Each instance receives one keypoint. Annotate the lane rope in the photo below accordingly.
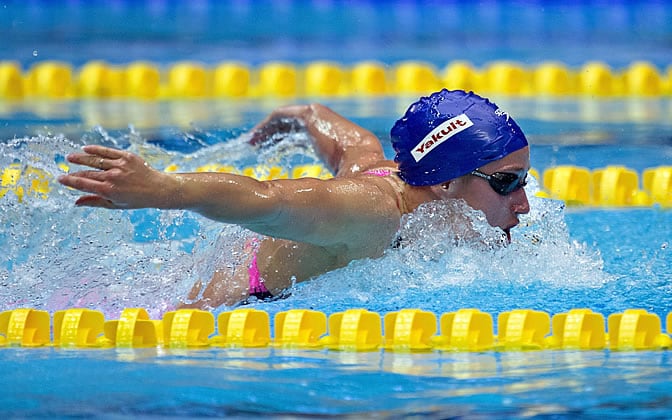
(407, 330)
(231, 79)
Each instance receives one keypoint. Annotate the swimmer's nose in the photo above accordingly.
(520, 204)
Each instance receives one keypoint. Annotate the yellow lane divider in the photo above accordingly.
(407, 330)
(230, 79)
(611, 186)
(26, 182)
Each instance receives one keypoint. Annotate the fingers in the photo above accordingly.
(94, 201)
(93, 182)
(104, 152)
(98, 157)
(93, 161)
(86, 159)
(87, 181)
(123, 179)
(94, 175)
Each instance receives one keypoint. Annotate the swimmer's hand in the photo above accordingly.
(121, 180)
(278, 125)
(275, 131)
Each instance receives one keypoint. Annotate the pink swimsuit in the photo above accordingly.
(379, 172)
(257, 288)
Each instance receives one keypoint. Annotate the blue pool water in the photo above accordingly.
(55, 256)
(250, 383)
(608, 260)
(303, 30)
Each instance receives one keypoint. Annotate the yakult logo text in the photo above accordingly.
(440, 134)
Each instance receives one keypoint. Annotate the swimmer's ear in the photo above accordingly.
(442, 189)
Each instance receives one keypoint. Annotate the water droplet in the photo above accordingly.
(34, 53)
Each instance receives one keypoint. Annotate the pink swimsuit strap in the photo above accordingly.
(379, 172)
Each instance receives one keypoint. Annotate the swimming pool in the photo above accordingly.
(607, 259)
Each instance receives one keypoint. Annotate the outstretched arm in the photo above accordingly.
(345, 146)
(348, 212)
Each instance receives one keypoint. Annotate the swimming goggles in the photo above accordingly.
(504, 183)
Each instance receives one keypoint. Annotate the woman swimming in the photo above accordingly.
(449, 145)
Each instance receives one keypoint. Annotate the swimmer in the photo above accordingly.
(449, 145)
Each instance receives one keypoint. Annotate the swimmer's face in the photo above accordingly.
(501, 210)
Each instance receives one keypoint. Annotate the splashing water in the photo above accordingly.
(451, 258)
(57, 256)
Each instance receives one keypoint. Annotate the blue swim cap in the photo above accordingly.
(449, 134)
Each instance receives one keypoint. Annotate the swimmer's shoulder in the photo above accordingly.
(386, 173)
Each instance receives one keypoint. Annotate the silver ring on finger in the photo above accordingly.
(101, 163)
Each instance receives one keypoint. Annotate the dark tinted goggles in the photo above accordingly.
(504, 183)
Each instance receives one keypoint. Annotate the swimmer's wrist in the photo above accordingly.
(173, 191)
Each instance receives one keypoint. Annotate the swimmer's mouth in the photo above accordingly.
(507, 232)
